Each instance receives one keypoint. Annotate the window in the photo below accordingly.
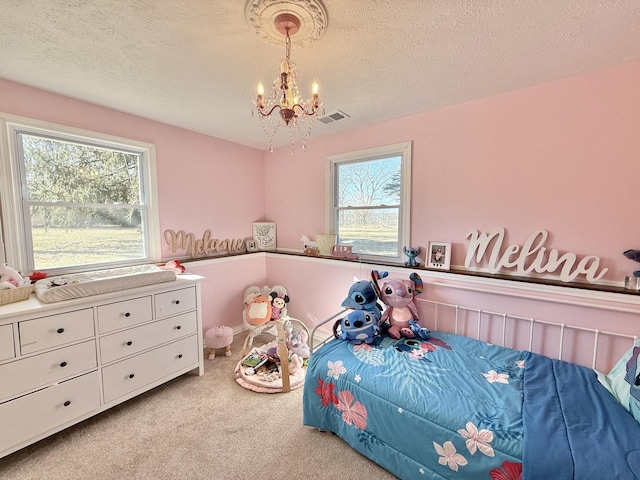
(369, 201)
(75, 200)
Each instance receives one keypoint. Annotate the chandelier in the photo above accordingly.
(284, 101)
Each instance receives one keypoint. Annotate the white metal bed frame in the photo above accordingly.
(483, 316)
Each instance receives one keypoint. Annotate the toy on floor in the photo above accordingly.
(295, 364)
(219, 337)
(297, 344)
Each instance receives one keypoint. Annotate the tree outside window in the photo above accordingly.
(78, 203)
(370, 201)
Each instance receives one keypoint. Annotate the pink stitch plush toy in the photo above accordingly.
(401, 314)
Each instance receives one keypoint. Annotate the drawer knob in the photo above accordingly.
(177, 302)
(67, 403)
(128, 314)
(178, 327)
(129, 343)
(179, 355)
(131, 375)
(60, 330)
(63, 364)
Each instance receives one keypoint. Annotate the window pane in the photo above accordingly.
(369, 183)
(370, 231)
(59, 171)
(64, 236)
(369, 201)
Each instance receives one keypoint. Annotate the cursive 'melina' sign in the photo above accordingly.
(533, 256)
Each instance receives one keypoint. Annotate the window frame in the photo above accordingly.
(402, 150)
(14, 246)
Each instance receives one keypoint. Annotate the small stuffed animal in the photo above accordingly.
(10, 278)
(633, 255)
(258, 310)
(297, 344)
(362, 296)
(295, 364)
(401, 313)
(174, 265)
(412, 253)
(278, 303)
(357, 326)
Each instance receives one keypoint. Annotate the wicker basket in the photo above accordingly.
(12, 295)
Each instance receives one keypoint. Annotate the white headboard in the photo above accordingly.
(591, 347)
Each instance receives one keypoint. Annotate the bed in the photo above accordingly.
(457, 407)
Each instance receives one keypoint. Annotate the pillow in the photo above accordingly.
(621, 380)
(258, 310)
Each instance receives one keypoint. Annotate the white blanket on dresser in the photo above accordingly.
(66, 287)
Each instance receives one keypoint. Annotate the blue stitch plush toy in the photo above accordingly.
(358, 326)
(362, 296)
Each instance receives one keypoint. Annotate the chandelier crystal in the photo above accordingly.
(284, 101)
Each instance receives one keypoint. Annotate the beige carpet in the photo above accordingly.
(195, 428)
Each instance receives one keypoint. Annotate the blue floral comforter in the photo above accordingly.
(449, 407)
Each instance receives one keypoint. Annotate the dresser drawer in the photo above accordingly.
(133, 373)
(41, 411)
(124, 314)
(46, 332)
(7, 349)
(134, 340)
(174, 302)
(40, 370)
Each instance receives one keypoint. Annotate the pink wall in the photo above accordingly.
(202, 184)
(317, 288)
(223, 289)
(562, 157)
(191, 167)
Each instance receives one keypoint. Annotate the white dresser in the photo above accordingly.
(63, 362)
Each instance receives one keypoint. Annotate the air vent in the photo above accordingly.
(333, 117)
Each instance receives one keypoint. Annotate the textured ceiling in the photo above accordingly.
(195, 63)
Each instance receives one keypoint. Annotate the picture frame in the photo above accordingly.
(439, 255)
(264, 233)
(251, 245)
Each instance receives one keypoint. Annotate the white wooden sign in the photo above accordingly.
(201, 246)
(532, 256)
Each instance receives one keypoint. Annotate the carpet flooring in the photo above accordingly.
(194, 427)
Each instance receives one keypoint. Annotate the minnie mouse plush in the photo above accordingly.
(278, 303)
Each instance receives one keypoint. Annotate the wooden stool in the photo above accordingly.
(219, 337)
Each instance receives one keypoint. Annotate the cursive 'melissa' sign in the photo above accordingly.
(201, 246)
(532, 256)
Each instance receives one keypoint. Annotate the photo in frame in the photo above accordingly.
(264, 233)
(439, 255)
(251, 245)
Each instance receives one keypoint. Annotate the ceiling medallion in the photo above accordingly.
(261, 16)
